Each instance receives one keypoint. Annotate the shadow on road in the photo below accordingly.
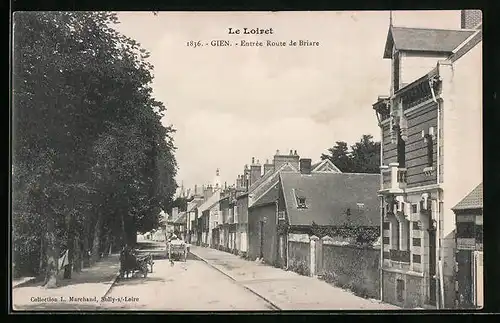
(102, 272)
(138, 280)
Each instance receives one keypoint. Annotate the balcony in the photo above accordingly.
(393, 178)
(400, 255)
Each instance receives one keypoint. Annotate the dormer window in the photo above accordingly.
(301, 202)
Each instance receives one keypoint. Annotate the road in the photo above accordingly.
(186, 286)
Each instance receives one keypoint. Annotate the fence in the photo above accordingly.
(345, 265)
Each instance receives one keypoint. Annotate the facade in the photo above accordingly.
(469, 253)
(431, 154)
(208, 217)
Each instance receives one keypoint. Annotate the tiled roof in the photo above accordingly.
(474, 200)
(194, 204)
(269, 181)
(421, 39)
(209, 203)
(329, 196)
(271, 196)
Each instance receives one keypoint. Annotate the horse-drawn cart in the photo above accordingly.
(131, 262)
(177, 250)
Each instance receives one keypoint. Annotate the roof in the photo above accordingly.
(329, 196)
(325, 166)
(214, 199)
(194, 204)
(424, 39)
(270, 196)
(269, 181)
(474, 200)
(181, 219)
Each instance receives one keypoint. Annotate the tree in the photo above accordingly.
(362, 157)
(339, 155)
(365, 155)
(91, 158)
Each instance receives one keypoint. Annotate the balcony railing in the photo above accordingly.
(393, 178)
(400, 255)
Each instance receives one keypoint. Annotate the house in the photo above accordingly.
(469, 242)
(267, 200)
(431, 155)
(180, 225)
(255, 181)
(192, 214)
(208, 216)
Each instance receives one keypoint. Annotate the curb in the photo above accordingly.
(276, 307)
(23, 283)
(113, 282)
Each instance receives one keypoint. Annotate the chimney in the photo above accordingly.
(208, 192)
(280, 160)
(255, 171)
(268, 167)
(305, 166)
(195, 189)
(246, 177)
(470, 19)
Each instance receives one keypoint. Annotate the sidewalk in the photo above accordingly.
(83, 291)
(285, 289)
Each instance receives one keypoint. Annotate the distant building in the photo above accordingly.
(469, 242)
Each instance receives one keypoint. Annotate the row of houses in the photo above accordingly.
(417, 225)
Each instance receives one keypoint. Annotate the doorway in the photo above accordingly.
(261, 253)
(432, 267)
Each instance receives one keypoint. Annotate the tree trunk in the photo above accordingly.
(70, 245)
(42, 264)
(124, 232)
(51, 268)
(77, 259)
(86, 245)
(97, 239)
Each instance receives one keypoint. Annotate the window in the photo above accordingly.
(479, 233)
(395, 235)
(430, 151)
(465, 229)
(301, 202)
(416, 242)
(416, 259)
(387, 255)
(386, 226)
(414, 208)
(400, 289)
(416, 226)
(401, 150)
(385, 240)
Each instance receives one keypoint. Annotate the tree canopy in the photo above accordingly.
(362, 157)
(92, 161)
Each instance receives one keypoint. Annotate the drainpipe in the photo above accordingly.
(438, 200)
(381, 215)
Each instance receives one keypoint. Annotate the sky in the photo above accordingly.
(229, 104)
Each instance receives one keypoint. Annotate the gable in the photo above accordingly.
(326, 166)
